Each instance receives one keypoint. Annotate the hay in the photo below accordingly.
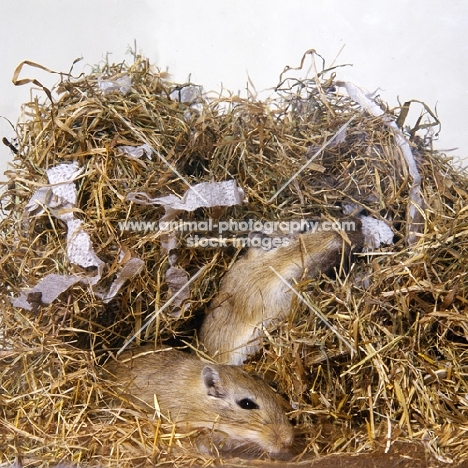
(403, 308)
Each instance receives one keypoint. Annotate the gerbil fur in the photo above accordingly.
(243, 413)
(251, 294)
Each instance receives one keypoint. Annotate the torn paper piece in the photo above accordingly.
(60, 194)
(351, 209)
(415, 204)
(62, 177)
(340, 136)
(376, 232)
(169, 244)
(190, 95)
(366, 102)
(206, 194)
(80, 248)
(61, 197)
(187, 94)
(136, 151)
(46, 291)
(42, 197)
(52, 285)
(129, 270)
(177, 280)
(121, 84)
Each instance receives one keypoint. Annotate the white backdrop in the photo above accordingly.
(410, 49)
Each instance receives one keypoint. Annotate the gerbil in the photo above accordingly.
(252, 295)
(243, 414)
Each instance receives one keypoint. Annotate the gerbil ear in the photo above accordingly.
(213, 382)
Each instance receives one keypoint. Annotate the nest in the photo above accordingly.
(305, 152)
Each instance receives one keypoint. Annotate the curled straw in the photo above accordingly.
(23, 81)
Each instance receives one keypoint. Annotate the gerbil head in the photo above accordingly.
(251, 418)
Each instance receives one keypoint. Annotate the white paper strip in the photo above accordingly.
(121, 84)
(136, 151)
(376, 232)
(414, 218)
(205, 194)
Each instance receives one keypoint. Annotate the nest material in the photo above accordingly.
(404, 308)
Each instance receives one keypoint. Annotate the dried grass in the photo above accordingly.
(403, 308)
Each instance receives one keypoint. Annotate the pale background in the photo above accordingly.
(410, 49)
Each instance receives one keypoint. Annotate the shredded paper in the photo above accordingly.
(60, 196)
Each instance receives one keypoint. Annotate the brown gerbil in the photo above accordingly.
(243, 413)
(252, 294)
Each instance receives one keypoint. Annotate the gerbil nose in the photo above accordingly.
(284, 450)
(287, 443)
(284, 436)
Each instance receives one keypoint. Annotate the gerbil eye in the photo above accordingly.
(247, 403)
